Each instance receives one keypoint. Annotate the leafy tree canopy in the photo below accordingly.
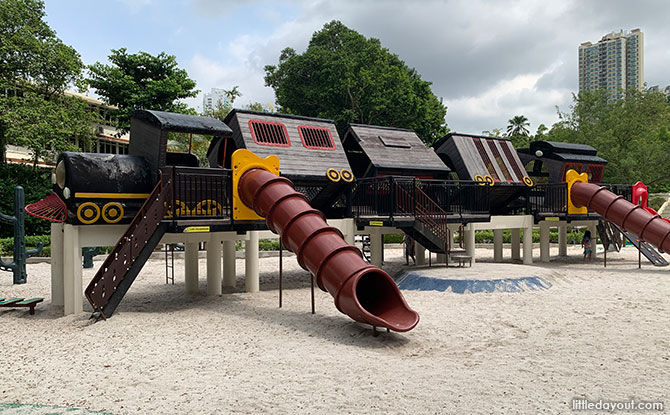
(632, 134)
(140, 80)
(35, 68)
(350, 79)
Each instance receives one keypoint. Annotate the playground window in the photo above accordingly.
(595, 172)
(267, 133)
(316, 138)
(571, 166)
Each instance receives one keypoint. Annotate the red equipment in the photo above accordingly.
(364, 292)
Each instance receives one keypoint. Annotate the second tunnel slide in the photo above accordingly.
(634, 218)
(364, 292)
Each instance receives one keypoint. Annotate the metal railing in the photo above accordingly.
(200, 193)
(548, 198)
(393, 197)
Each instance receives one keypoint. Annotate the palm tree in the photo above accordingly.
(518, 126)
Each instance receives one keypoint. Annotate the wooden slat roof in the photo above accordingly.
(395, 148)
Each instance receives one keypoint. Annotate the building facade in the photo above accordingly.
(210, 100)
(615, 63)
(106, 138)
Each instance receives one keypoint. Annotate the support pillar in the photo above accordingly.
(57, 271)
(214, 265)
(419, 253)
(562, 239)
(470, 242)
(528, 245)
(497, 245)
(348, 230)
(544, 241)
(72, 286)
(251, 271)
(376, 246)
(191, 267)
(594, 236)
(516, 243)
(229, 276)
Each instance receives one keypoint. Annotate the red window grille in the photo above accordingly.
(595, 172)
(501, 163)
(571, 166)
(518, 170)
(486, 159)
(316, 138)
(267, 133)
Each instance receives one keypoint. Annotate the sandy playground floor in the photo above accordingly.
(591, 333)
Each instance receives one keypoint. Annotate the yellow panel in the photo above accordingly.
(242, 161)
(571, 177)
(81, 195)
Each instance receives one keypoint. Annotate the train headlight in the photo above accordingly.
(60, 174)
(66, 193)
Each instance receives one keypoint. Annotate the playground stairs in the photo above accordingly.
(644, 247)
(131, 252)
(611, 237)
(430, 225)
(326, 197)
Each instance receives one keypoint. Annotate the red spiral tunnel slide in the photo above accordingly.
(634, 218)
(364, 292)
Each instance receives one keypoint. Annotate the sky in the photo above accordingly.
(488, 60)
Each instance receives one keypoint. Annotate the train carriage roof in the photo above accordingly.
(183, 123)
(306, 146)
(394, 149)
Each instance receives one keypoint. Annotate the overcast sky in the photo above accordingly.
(488, 60)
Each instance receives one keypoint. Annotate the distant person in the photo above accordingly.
(587, 244)
(409, 249)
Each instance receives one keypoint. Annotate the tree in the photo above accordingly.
(632, 134)
(35, 68)
(233, 94)
(541, 132)
(348, 78)
(496, 132)
(140, 80)
(518, 126)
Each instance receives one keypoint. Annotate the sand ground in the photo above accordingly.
(598, 333)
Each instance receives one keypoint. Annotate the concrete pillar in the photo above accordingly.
(348, 230)
(528, 245)
(562, 239)
(214, 265)
(229, 276)
(251, 271)
(57, 271)
(544, 241)
(72, 268)
(470, 242)
(191, 267)
(594, 235)
(376, 247)
(516, 243)
(419, 254)
(497, 245)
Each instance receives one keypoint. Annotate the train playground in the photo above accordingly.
(511, 320)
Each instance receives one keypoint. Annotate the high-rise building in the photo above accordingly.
(615, 63)
(209, 101)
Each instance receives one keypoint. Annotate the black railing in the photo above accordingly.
(625, 190)
(548, 199)
(200, 193)
(395, 197)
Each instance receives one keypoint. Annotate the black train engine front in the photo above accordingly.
(102, 188)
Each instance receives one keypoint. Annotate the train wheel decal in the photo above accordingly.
(88, 213)
(347, 176)
(208, 208)
(112, 212)
(489, 180)
(333, 175)
(527, 181)
(181, 208)
(480, 179)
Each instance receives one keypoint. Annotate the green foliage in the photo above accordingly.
(518, 132)
(632, 134)
(393, 238)
(7, 244)
(140, 80)
(36, 183)
(486, 237)
(35, 68)
(345, 77)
